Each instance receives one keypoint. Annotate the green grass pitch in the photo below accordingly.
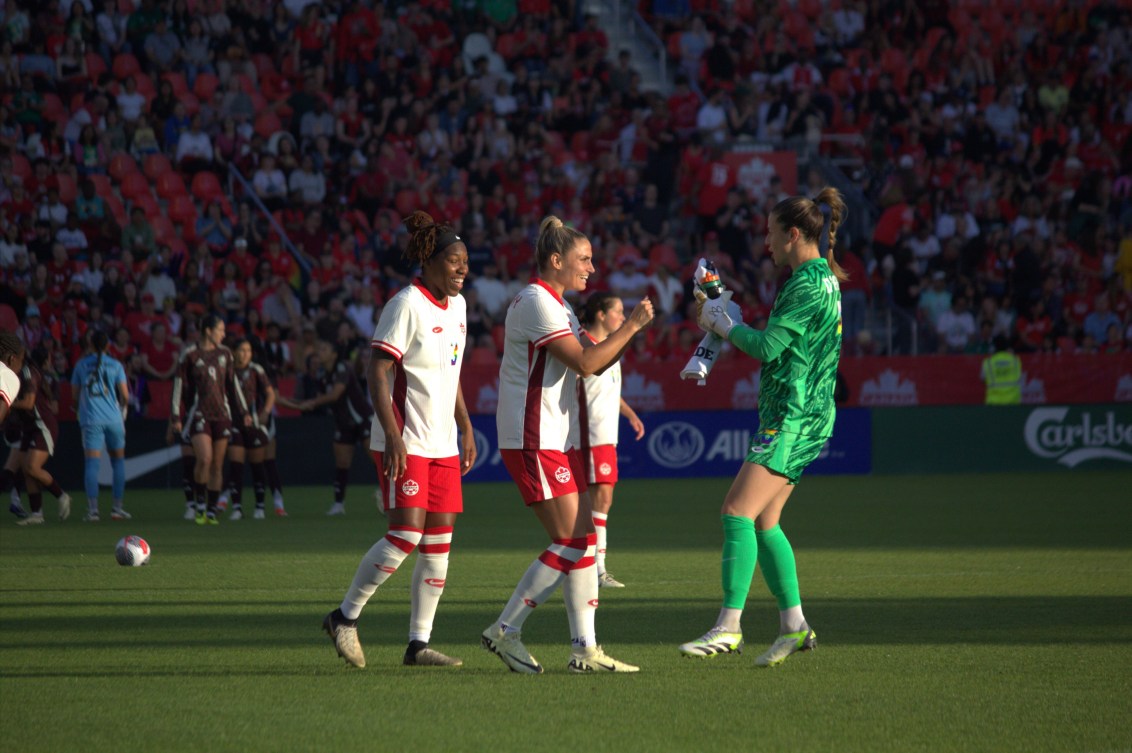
(954, 613)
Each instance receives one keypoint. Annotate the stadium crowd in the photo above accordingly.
(993, 137)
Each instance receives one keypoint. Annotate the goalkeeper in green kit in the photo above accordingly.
(799, 351)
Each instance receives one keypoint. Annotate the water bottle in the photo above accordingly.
(710, 283)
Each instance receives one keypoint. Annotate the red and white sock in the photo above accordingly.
(428, 580)
(600, 519)
(579, 591)
(381, 561)
(540, 580)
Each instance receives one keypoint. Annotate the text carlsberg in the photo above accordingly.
(1049, 435)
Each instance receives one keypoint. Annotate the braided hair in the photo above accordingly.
(98, 342)
(10, 347)
(427, 237)
(817, 220)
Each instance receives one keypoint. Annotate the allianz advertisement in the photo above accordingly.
(697, 443)
(1016, 438)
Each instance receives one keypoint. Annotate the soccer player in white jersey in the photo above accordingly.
(414, 384)
(542, 353)
(600, 407)
(11, 361)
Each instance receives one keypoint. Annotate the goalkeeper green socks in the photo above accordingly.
(776, 560)
(740, 553)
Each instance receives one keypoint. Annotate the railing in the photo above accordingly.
(235, 176)
(641, 30)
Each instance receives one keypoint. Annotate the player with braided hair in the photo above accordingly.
(99, 381)
(422, 438)
(799, 350)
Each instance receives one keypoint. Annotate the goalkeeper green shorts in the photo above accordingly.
(784, 452)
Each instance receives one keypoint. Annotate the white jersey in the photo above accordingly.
(599, 398)
(426, 338)
(537, 393)
(9, 385)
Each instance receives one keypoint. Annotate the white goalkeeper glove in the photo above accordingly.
(719, 315)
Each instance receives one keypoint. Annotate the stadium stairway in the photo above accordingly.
(626, 31)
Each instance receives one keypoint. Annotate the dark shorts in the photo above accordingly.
(249, 437)
(352, 434)
(221, 429)
(784, 452)
(39, 437)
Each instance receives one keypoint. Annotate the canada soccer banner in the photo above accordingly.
(871, 382)
(753, 170)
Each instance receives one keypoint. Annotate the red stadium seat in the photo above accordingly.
(205, 85)
(264, 65)
(163, 228)
(155, 165)
(68, 190)
(148, 203)
(21, 166)
(122, 164)
(95, 66)
(206, 186)
(247, 85)
(9, 321)
(134, 185)
(267, 123)
(53, 107)
(102, 185)
(182, 210)
(145, 86)
(116, 207)
(180, 85)
(170, 184)
(192, 104)
(125, 65)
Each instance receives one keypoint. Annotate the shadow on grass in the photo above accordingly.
(973, 620)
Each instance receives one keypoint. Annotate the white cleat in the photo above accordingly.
(715, 641)
(64, 506)
(345, 637)
(190, 512)
(277, 498)
(510, 649)
(787, 644)
(259, 514)
(593, 659)
(336, 509)
(236, 514)
(605, 580)
(119, 513)
(222, 502)
(33, 519)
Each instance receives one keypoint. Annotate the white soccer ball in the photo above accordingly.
(132, 551)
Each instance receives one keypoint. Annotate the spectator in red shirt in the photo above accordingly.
(159, 353)
(1032, 327)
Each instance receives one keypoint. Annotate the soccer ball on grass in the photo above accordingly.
(132, 551)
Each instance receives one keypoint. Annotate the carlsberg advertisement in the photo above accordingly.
(1016, 438)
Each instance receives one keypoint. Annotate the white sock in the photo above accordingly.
(729, 620)
(791, 620)
(600, 519)
(541, 579)
(579, 591)
(428, 580)
(381, 561)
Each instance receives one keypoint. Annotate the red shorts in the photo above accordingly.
(601, 464)
(541, 474)
(432, 484)
(578, 468)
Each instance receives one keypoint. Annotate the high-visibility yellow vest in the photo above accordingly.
(1003, 374)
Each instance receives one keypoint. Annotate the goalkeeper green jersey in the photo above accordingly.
(799, 348)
